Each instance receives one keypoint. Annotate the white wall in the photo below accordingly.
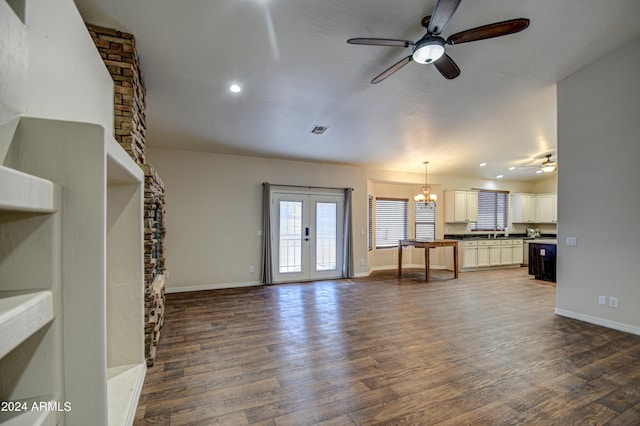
(598, 128)
(67, 78)
(14, 55)
(50, 68)
(214, 212)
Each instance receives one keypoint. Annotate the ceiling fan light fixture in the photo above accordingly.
(548, 166)
(428, 50)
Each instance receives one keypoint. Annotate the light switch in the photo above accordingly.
(572, 241)
(542, 252)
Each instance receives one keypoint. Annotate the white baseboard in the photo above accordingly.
(257, 283)
(627, 328)
(211, 286)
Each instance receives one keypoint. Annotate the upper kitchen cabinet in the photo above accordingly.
(460, 206)
(546, 208)
(523, 208)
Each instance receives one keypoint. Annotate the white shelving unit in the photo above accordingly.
(71, 275)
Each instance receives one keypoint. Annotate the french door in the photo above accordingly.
(307, 236)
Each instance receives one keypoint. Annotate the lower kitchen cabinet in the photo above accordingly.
(506, 254)
(511, 252)
(488, 253)
(491, 253)
(470, 254)
(517, 252)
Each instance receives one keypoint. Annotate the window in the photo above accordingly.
(370, 209)
(425, 218)
(493, 211)
(391, 221)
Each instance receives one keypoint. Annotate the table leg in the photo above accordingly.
(426, 263)
(455, 260)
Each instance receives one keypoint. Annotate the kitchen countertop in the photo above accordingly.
(545, 239)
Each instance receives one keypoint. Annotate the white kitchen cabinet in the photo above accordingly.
(488, 253)
(546, 208)
(506, 252)
(494, 255)
(71, 238)
(511, 251)
(470, 254)
(460, 206)
(491, 253)
(523, 208)
(517, 252)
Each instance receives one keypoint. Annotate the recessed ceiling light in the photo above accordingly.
(235, 88)
(499, 176)
(512, 168)
(538, 171)
(483, 164)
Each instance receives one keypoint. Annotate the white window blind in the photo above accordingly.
(493, 211)
(391, 221)
(425, 221)
(370, 210)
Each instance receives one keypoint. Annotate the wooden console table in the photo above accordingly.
(426, 245)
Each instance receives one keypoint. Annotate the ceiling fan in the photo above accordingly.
(547, 166)
(431, 48)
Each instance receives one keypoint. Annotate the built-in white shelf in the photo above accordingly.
(121, 169)
(23, 192)
(21, 315)
(124, 384)
(72, 275)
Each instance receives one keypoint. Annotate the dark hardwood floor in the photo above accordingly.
(484, 349)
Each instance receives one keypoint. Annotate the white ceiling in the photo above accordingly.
(296, 70)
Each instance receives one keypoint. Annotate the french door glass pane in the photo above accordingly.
(290, 236)
(326, 238)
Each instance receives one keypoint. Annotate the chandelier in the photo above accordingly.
(427, 197)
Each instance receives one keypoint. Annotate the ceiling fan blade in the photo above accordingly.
(447, 67)
(393, 68)
(441, 15)
(489, 31)
(380, 42)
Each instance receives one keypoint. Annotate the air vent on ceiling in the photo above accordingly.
(318, 130)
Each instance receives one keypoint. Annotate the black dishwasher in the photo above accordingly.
(542, 261)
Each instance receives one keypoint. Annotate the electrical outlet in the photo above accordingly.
(361, 262)
(602, 300)
(613, 302)
(252, 269)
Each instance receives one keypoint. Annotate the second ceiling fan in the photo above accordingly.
(431, 48)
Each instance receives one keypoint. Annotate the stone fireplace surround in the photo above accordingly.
(118, 51)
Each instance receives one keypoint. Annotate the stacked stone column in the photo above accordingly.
(118, 51)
